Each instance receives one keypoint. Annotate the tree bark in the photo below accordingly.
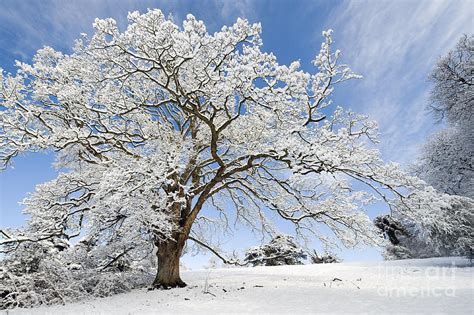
(168, 254)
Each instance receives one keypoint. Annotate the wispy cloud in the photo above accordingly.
(395, 44)
(237, 8)
(34, 24)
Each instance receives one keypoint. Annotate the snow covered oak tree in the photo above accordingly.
(155, 123)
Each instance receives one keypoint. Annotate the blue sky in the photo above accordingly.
(393, 44)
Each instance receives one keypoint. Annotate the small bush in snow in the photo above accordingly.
(282, 250)
(326, 258)
(40, 274)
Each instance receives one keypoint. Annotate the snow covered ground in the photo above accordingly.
(437, 285)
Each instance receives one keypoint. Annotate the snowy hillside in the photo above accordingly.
(437, 285)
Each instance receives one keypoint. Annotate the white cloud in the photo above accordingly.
(236, 8)
(395, 44)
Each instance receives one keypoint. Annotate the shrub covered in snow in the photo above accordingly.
(41, 274)
(326, 258)
(448, 233)
(282, 250)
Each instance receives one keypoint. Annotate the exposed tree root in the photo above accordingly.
(167, 286)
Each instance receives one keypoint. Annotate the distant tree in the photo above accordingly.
(155, 123)
(281, 250)
(447, 164)
(452, 95)
(447, 161)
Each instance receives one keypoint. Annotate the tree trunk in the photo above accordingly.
(168, 255)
